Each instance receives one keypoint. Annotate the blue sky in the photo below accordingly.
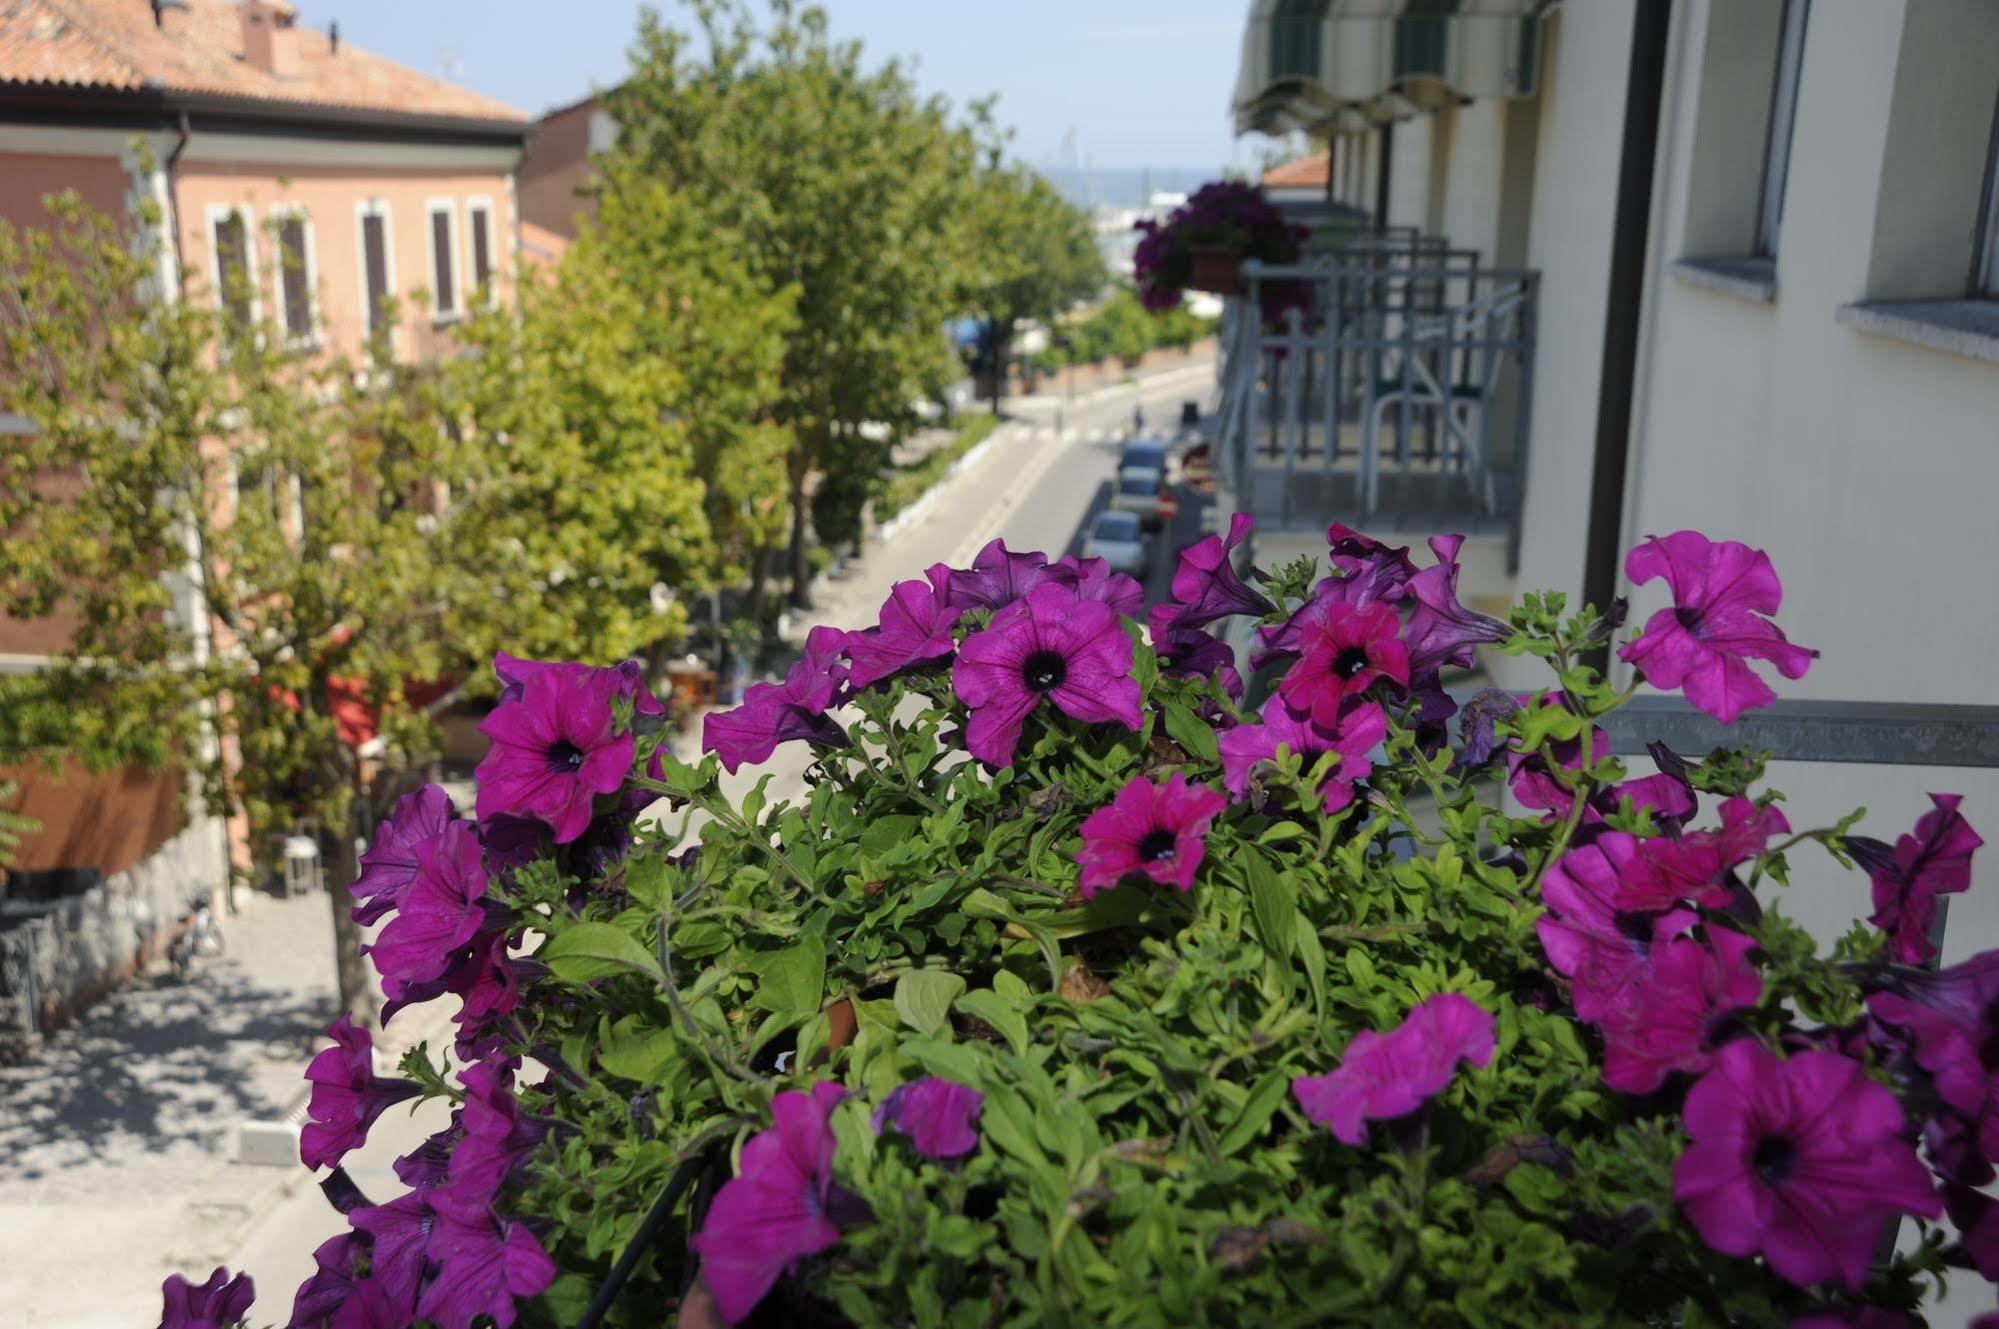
(1141, 82)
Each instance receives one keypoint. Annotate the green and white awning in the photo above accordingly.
(1343, 66)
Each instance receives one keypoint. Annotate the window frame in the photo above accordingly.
(309, 244)
(475, 206)
(216, 214)
(363, 210)
(1785, 83)
(1985, 249)
(448, 252)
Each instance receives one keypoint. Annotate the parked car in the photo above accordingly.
(1141, 491)
(1145, 452)
(1116, 538)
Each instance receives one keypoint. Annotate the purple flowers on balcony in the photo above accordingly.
(999, 576)
(1383, 1076)
(1802, 1160)
(556, 747)
(1343, 656)
(443, 909)
(1931, 861)
(914, 629)
(220, 1302)
(484, 1263)
(774, 713)
(1230, 217)
(1052, 644)
(347, 1096)
(1206, 586)
(1716, 624)
(1359, 731)
(940, 1117)
(1678, 1011)
(1149, 830)
(389, 864)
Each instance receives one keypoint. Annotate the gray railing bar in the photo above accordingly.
(1866, 733)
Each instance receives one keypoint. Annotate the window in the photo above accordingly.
(293, 234)
(1783, 116)
(479, 220)
(443, 261)
(235, 285)
(378, 272)
(1985, 277)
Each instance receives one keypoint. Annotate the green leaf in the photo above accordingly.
(1256, 1112)
(923, 998)
(632, 1050)
(885, 833)
(1012, 987)
(1274, 898)
(586, 951)
(1001, 1014)
(1190, 733)
(793, 981)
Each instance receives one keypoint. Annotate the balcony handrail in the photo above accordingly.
(1860, 733)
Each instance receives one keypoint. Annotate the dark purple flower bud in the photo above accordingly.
(389, 865)
(332, 1283)
(1205, 583)
(1931, 861)
(1441, 631)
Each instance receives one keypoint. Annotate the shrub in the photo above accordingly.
(1074, 990)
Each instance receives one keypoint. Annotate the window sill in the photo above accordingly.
(1962, 327)
(1751, 279)
(446, 320)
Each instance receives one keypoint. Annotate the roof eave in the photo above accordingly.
(55, 103)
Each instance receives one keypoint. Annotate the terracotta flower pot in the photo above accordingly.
(1216, 271)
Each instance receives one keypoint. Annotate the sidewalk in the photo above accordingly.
(119, 1135)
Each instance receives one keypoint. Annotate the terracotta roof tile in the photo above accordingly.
(114, 45)
(1306, 172)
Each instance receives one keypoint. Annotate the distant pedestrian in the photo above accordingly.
(1138, 418)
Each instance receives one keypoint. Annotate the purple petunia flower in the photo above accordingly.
(1205, 584)
(1673, 1018)
(497, 1136)
(399, 1241)
(1191, 653)
(1668, 796)
(1948, 1024)
(939, 1116)
(1601, 948)
(1442, 631)
(347, 1096)
(484, 1263)
(914, 628)
(1148, 830)
(1359, 731)
(1801, 1159)
(1976, 1217)
(774, 713)
(999, 576)
(1073, 652)
(1703, 643)
(443, 909)
(555, 748)
(1696, 868)
(1343, 656)
(1096, 581)
(220, 1302)
(775, 1211)
(1478, 724)
(389, 864)
(1370, 573)
(514, 673)
(1391, 1075)
(319, 1299)
(1932, 860)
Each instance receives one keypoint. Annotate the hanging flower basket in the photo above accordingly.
(1203, 244)
(1216, 271)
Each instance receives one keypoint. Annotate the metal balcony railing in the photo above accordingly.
(1389, 382)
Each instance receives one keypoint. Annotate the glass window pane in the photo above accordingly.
(482, 248)
(440, 247)
(232, 267)
(293, 279)
(1988, 250)
(1783, 117)
(374, 243)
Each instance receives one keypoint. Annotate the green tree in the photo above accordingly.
(248, 541)
(1033, 255)
(831, 180)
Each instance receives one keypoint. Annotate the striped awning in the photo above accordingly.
(1343, 66)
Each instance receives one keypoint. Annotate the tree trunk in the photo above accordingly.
(357, 989)
(801, 561)
(1002, 353)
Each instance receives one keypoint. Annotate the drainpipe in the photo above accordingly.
(1383, 169)
(173, 190)
(1630, 239)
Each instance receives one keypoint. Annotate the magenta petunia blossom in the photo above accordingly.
(1696, 868)
(1383, 1076)
(774, 713)
(1932, 860)
(1148, 830)
(1667, 796)
(1802, 1160)
(1601, 948)
(1441, 631)
(484, 1264)
(1677, 1013)
(1191, 653)
(999, 576)
(399, 1243)
(1096, 581)
(1205, 584)
(216, 1304)
(940, 1117)
(1343, 657)
(1370, 573)
(1360, 730)
(389, 864)
(497, 1136)
(776, 1210)
(555, 748)
(443, 909)
(319, 1301)
(1704, 642)
(630, 684)
(1947, 1023)
(914, 628)
(1052, 644)
(347, 1096)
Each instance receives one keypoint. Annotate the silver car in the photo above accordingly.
(1141, 491)
(1116, 538)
